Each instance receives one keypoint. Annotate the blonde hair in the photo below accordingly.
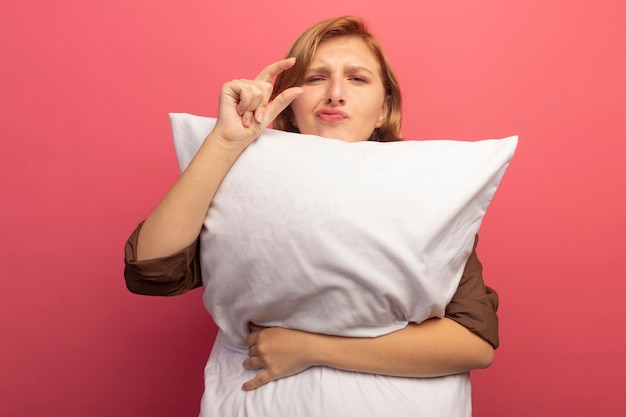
(304, 48)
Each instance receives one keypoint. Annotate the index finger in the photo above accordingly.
(271, 71)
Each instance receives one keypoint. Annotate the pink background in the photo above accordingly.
(86, 152)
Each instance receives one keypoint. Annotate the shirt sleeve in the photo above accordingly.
(171, 275)
(474, 305)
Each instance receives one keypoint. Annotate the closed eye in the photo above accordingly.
(314, 79)
(359, 79)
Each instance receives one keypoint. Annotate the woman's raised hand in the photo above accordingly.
(245, 108)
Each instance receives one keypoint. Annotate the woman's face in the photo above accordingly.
(344, 96)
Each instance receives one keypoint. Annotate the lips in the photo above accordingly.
(331, 115)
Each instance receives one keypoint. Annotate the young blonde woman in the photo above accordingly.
(335, 83)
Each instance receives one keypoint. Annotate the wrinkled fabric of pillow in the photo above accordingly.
(351, 239)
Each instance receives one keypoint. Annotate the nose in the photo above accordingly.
(336, 93)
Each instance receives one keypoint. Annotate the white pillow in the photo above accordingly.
(353, 239)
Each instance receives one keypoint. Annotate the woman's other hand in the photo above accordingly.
(279, 352)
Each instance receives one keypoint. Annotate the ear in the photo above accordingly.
(384, 112)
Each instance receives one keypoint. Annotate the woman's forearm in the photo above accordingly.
(176, 221)
(435, 347)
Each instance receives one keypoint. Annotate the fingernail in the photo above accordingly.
(246, 119)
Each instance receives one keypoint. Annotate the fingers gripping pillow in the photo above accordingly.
(353, 239)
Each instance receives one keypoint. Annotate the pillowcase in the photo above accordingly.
(352, 239)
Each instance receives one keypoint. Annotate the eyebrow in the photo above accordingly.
(349, 69)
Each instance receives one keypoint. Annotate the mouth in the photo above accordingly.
(331, 116)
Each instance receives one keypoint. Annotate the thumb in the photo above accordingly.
(281, 102)
(262, 378)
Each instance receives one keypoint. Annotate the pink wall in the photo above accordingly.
(86, 152)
